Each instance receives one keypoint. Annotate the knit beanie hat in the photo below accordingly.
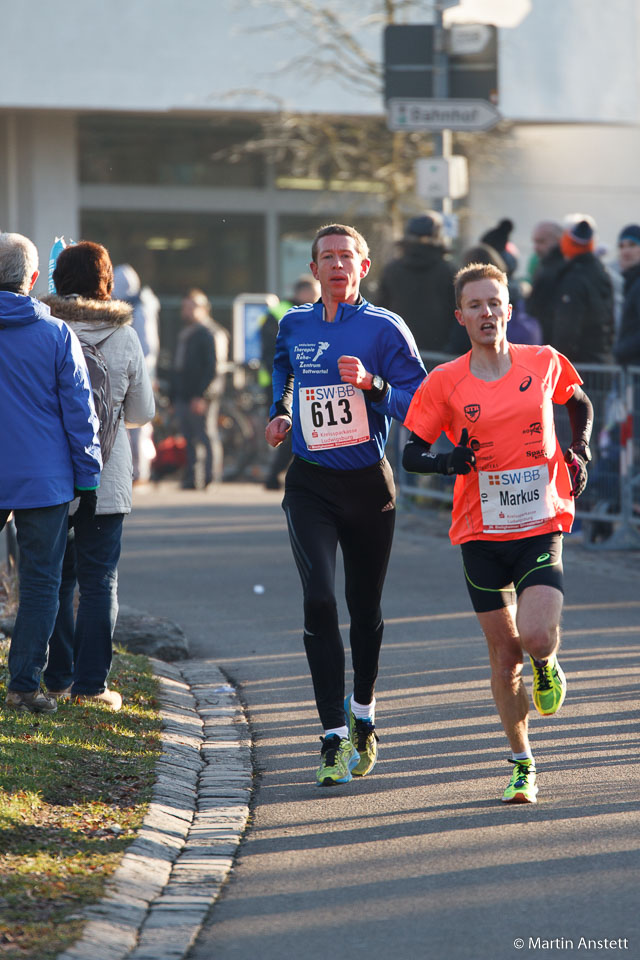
(632, 232)
(428, 226)
(578, 237)
(498, 236)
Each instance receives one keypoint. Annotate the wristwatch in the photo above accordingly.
(378, 384)
(582, 449)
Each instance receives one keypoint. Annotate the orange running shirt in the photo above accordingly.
(520, 487)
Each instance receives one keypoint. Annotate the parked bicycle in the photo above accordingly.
(241, 421)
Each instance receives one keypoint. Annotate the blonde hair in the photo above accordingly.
(477, 271)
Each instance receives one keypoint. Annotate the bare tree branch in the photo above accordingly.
(329, 39)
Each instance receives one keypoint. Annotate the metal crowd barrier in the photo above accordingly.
(608, 513)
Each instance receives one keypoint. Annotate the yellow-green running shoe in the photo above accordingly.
(338, 757)
(522, 787)
(549, 686)
(364, 738)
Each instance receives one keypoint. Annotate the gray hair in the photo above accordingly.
(18, 262)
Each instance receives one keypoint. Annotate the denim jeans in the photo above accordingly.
(80, 653)
(41, 534)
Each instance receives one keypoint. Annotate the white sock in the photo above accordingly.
(364, 711)
(527, 755)
(341, 732)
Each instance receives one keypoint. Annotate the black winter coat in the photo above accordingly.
(582, 322)
(541, 300)
(627, 348)
(419, 287)
(194, 364)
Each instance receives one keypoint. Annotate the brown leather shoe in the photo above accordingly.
(34, 701)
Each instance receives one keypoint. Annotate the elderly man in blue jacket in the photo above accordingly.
(50, 454)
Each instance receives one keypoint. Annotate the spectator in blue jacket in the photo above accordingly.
(50, 454)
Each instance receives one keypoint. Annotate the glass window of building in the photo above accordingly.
(222, 254)
(176, 151)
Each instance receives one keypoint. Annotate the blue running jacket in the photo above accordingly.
(335, 424)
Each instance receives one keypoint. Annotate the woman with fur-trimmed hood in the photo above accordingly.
(83, 278)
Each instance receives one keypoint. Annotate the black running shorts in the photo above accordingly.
(498, 571)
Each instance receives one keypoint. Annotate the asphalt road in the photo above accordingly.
(420, 859)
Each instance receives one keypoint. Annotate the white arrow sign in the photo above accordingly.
(422, 114)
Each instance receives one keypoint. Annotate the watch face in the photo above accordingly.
(377, 383)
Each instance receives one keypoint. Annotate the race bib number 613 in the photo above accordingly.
(333, 416)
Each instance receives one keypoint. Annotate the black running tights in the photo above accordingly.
(355, 509)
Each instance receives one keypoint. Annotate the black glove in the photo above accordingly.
(87, 506)
(461, 459)
(577, 472)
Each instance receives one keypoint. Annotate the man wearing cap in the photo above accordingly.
(582, 318)
(627, 347)
(418, 285)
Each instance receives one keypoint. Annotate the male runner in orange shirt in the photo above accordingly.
(513, 497)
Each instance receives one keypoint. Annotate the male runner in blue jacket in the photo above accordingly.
(342, 369)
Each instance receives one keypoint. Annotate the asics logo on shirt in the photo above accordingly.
(526, 383)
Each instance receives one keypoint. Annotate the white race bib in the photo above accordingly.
(333, 416)
(515, 500)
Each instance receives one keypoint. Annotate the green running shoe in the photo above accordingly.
(338, 757)
(364, 738)
(549, 686)
(522, 787)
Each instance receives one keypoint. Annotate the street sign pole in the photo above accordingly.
(442, 141)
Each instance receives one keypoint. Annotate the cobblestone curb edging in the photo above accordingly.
(157, 899)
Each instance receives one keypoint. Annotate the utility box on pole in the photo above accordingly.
(439, 177)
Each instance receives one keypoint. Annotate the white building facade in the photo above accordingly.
(115, 118)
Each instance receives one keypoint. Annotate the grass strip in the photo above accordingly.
(74, 789)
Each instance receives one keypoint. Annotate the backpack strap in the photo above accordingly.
(98, 346)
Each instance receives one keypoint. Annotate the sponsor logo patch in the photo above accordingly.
(534, 428)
